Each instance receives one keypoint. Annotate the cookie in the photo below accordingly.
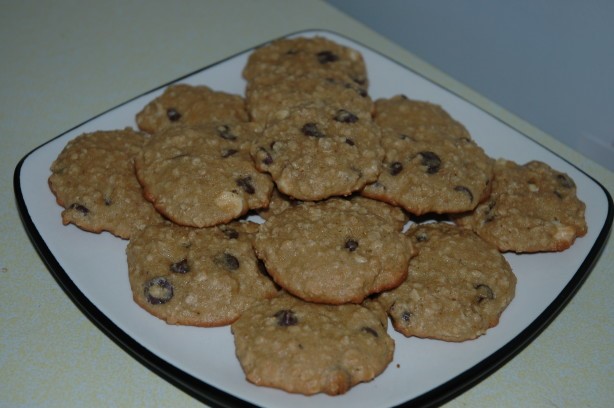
(457, 287)
(195, 276)
(202, 175)
(403, 114)
(532, 208)
(190, 105)
(307, 348)
(389, 213)
(428, 168)
(334, 251)
(265, 100)
(289, 56)
(93, 179)
(317, 151)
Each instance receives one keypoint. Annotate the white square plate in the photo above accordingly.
(92, 269)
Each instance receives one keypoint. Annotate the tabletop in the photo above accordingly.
(66, 61)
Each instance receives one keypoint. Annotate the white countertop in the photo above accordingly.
(66, 61)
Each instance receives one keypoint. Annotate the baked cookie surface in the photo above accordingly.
(290, 56)
(333, 251)
(389, 213)
(190, 105)
(317, 151)
(532, 208)
(196, 276)
(457, 287)
(431, 165)
(202, 175)
(93, 179)
(307, 348)
(266, 100)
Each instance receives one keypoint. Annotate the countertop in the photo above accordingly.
(66, 61)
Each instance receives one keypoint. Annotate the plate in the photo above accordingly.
(92, 269)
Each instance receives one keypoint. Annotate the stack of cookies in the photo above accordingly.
(369, 211)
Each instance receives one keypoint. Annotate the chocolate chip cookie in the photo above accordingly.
(308, 348)
(202, 175)
(195, 276)
(265, 100)
(431, 165)
(191, 105)
(334, 251)
(289, 56)
(532, 208)
(93, 179)
(457, 287)
(317, 151)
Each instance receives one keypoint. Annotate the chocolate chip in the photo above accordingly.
(246, 184)
(465, 190)
(267, 159)
(370, 331)
(350, 142)
(230, 233)
(227, 261)
(421, 236)
(565, 181)
(80, 208)
(173, 115)
(108, 201)
(224, 132)
(484, 293)
(311, 129)
(395, 168)
(228, 152)
(345, 116)
(286, 318)
(431, 161)
(351, 245)
(324, 57)
(158, 291)
(406, 316)
(180, 266)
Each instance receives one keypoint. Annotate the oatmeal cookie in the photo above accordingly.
(457, 287)
(307, 348)
(93, 179)
(532, 208)
(196, 276)
(288, 56)
(202, 175)
(334, 251)
(190, 105)
(431, 164)
(265, 100)
(316, 151)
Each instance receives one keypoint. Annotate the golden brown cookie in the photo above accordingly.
(389, 213)
(289, 56)
(317, 151)
(93, 179)
(532, 208)
(431, 163)
(196, 276)
(266, 100)
(334, 251)
(457, 287)
(307, 348)
(202, 175)
(190, 105)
